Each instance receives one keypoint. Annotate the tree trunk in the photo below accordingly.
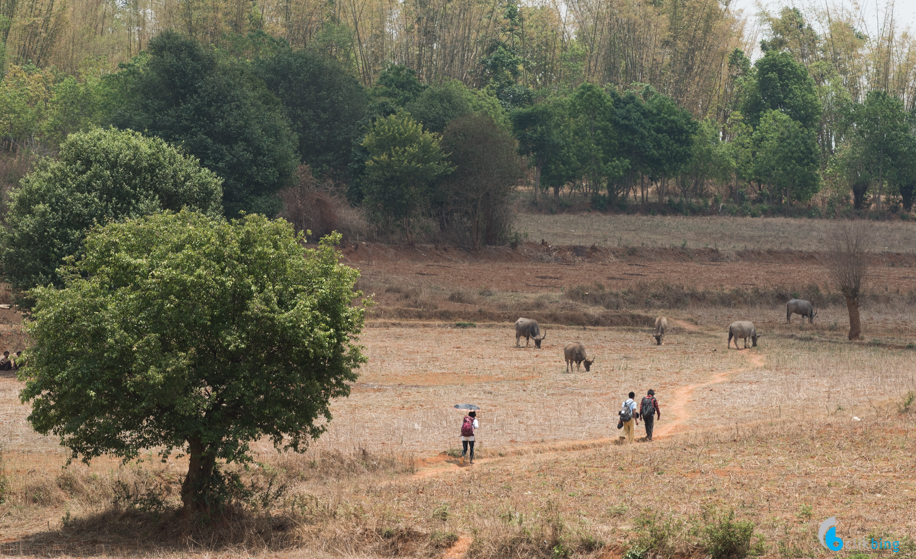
(537, 183)
(855, 324)
(200, 472)
(858, 194)
(407, 231)
(880, 180)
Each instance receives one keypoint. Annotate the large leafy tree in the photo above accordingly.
(403, 162)
(542, 134)
(591, 112)
(195, 335)
(486, 170)
(99, 176)
(673, 131)
(787, 158)
(851, 165)
(782, 84)
(220, 113)
(398, 85)
(903, 174)
(323, 102)
(881, 123)
(438, 105)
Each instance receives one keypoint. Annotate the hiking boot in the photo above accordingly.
(471, 462)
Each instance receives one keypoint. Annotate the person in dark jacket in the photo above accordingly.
(648, 409)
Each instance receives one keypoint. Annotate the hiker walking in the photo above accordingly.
(647, 409)
(629, 418)
(468, 426)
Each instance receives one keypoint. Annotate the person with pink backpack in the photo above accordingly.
(468, 426)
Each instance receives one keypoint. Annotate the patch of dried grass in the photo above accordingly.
(723, 233)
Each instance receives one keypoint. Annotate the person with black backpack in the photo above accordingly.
(629, 417)
(647, 409)
(468, 426)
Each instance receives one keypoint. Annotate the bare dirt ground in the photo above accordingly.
(803, 427)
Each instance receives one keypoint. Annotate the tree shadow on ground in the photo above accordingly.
(132, 532)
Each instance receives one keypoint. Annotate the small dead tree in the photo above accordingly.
(849, 244)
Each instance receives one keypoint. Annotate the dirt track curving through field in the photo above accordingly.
(679, 408)
(683, 396)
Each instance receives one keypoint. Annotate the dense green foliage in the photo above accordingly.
(486, 167)
(404, 161)
(792, 132)
(786, 161)
(217, 111)
(99, 176)
(324, 104)
(782, 84)
(185, 333)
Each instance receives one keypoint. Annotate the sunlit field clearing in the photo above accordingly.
(724, 233)
(766, 432)
(404, 396)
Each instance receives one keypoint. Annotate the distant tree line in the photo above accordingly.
(443, 155)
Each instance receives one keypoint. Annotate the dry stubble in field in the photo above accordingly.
(784, 469)
(724, 233)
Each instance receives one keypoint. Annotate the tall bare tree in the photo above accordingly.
(849, 244)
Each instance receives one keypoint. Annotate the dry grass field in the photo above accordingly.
(803, 427)
(724, 233)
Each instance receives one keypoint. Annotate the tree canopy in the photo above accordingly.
(486, 170)
(782, 84)
(217, 111)
(186, 333)
(99, 176)
(404, 160)
(323, 102)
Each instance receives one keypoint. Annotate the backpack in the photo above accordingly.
(626, 413)
(646, 409)
(467, 428)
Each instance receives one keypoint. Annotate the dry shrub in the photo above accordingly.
(6, 296)
(312, 205)
(333, 464)
(546, 535)
(462, 296)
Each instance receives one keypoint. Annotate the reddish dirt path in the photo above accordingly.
(459, 549)
(678, 408)
(683, 396)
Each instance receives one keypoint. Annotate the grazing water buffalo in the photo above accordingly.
(742, 329)
(529, 329)
(802, 307)
(661, 326)
(575, 351)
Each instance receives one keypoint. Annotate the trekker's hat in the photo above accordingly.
(651, 392)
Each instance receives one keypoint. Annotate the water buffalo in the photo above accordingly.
(575, 351)
(802, 307)
(742, 329)
(529, 329)
(661, 326)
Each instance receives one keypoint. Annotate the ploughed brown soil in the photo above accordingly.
(536, 268)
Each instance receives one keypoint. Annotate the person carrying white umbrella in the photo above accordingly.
(468, 427)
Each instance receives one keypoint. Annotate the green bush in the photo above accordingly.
(99, 176)
(726, 538)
